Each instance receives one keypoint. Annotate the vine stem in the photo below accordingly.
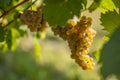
(19, 15)
(7, 12)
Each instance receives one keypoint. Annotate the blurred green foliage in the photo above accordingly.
(2, 37)
(19, 65)
(22, 65)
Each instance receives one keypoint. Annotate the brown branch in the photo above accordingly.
(7, 12)
(18, 15)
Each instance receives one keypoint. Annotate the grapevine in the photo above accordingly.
(79, 36)
(28, 20)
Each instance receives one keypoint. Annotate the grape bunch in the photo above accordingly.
(79, 36)
(34, 20)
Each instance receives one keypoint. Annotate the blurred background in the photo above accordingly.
(51, 62)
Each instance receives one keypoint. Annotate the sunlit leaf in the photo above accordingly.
(103, 5)
(110, 21)
(107, 5)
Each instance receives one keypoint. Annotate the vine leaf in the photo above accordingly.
(103, 5)
(94, 5)
(2, 33)
(117, 3)
(9, 39)
(110, 56)
(107, 5)
(57, 12)
(110, 21)
(4, 3)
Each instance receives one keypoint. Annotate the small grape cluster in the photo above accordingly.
(79, 36)
(34, 20)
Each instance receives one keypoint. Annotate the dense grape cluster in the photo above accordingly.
(79, 36)
(34, 20)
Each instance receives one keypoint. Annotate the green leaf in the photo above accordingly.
(16, 26)
(110, 56)
(4, 3)
(57, 12)
(3, 47)
(2, 33)
(110, 21)
(117, 3)
(9, 39)
(103, 5)
(97, 55)
(94, 5)
(107, 5)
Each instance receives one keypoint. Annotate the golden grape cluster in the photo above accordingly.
(79, 36)
(34, 20)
